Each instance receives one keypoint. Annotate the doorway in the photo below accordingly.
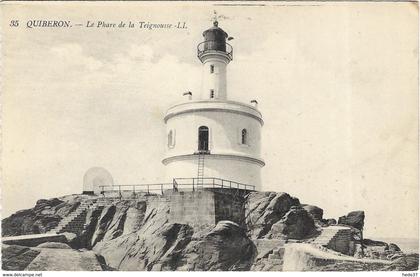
(203, 138)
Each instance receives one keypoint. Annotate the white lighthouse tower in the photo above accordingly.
(213, 138)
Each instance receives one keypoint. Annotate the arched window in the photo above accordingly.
(211, 68)
(212, 93)
(203, 138)
(244, 136)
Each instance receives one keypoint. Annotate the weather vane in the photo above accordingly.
(215, 17)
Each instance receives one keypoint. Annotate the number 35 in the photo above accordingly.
(14, 23)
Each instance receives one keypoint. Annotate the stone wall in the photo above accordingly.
(192, 207)
(229, 206)
(207, 206)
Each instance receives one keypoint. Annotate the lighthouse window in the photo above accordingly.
(244, 137)
(212, 93)
(211, 68)
(171, 139)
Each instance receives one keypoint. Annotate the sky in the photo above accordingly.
(336, 84)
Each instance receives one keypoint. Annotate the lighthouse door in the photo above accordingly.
(203, 139)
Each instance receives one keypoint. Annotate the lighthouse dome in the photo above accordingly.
(215, 40)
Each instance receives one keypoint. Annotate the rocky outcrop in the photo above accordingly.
(263, 209)
(404, 262)
(354, 219)
(58, 245)
(314, 211)
(46, 215)
(225, 247)
(140, 234)
(295, 224)
(37, 220)
(48, 257)
(16, 257)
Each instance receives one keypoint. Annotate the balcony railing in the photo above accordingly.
(178, 184)
(138, 188)
(214, 46)
(209, 182)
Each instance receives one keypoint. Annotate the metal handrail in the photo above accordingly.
(228, 51)
(138, 187)
(205, 182)
(212, 182)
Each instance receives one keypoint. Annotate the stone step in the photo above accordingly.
(275, 259)
(279, 251)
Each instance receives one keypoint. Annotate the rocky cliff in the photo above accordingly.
(138, 234)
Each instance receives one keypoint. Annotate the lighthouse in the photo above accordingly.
(209, 137)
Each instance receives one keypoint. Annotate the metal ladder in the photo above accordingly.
(200, 171)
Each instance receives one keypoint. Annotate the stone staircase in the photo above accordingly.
(326, 236)
(276, 258)
(337, 238)
(75, 221)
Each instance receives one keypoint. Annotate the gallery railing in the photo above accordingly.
(214, 46)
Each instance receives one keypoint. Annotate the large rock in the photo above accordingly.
(225, 247)
(392, 247)
(314, 211)
(141, 249)
(354, 219)
(408, 262)
(147, 251)
(58, 245)
(46, 215)
(263, 209)
(37, 220)
(371, 242)
(17, 258)
(297, 223)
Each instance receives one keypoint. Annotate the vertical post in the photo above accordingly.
(361, 242)
(134, 188)
(230, 184)
(161, 188)
(213, 182)
(193, 183)
(148, 191)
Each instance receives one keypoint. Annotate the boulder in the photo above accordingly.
(263, 209)
(225, 247)
(370, 242)
(30, 221)
(409, 262)
(331, 221)
(354, 219)
(392, 247)
(314, 211)
(297, 223)
(17, 258)
(58, 245)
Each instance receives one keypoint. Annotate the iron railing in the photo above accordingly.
(178, 184)
(145, 188)
(210, 182)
